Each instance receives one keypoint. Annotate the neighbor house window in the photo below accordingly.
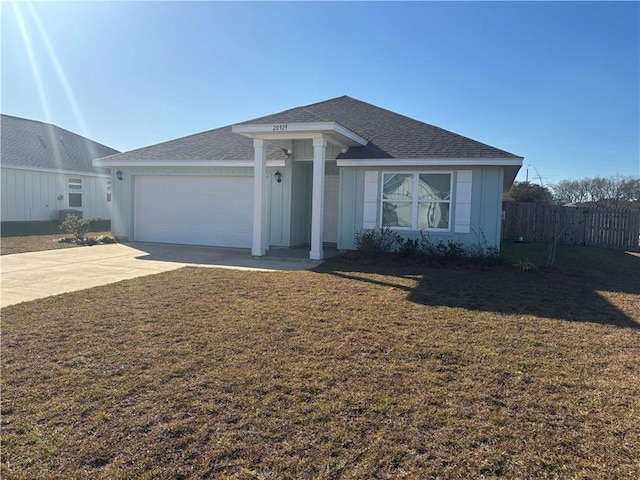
(75, 192)
(416, 201)
(108, 190)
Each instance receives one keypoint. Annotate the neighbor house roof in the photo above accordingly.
(33, 144)
(389, 135)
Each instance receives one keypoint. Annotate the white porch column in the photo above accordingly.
(317, 199)
(259, 247)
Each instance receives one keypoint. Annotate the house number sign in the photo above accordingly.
(280, 128)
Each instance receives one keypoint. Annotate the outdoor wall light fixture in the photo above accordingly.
(278, 176)
(119, 174)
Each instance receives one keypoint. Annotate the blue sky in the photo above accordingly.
(557, 83)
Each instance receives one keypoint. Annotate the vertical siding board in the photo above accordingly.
(21, 191)
(3, 190)
(371, 203)
(464, 183)
(39, 196)
(34, 197)
(8, 177)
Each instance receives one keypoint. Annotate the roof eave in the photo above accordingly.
(183, 163)
(427, 162)
(59, 171)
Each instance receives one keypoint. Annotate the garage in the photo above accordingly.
(194, 210)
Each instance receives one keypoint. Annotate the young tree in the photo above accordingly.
(76, 226)
(528, 192)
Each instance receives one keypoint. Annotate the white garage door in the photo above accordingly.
(194, 210)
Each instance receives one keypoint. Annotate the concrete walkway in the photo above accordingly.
(29, 276)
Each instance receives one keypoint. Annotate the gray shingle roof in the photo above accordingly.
(218, 144)
(390, 135)
(29, 143)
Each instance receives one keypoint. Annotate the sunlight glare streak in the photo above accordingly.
(63, 78)
(32, 60)
(38, 79)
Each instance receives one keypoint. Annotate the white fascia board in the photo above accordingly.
(54, 170)
(186, 163)
(428, 162)
(273, 131)
(282, 127)
(345, 132)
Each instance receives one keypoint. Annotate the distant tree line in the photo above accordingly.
(615, 192)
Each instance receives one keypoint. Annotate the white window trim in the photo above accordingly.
(109, 189)
(78, 183)
(415, 201)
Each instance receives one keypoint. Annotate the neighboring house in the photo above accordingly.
(309, 176)
(46, 169)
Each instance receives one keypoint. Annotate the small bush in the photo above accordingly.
(409, 248)
(455, 249)
(377, 241)
(78, 227)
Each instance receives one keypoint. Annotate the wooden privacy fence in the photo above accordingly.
(595, 226)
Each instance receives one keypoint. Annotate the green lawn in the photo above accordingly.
(343, 372)
(571, 256)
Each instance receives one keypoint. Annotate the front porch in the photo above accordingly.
(322, 135)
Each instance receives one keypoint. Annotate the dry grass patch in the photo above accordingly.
(205, 373)
(38, 243)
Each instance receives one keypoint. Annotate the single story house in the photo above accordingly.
(311, 175)
(46, 170)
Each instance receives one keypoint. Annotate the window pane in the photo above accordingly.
(75, 185)
(75, 200)
(397, 186)
(433, 215)
(397, 214)
(434, 186)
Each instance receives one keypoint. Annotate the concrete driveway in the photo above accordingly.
(28, 276)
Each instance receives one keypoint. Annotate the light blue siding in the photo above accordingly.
(351, 206)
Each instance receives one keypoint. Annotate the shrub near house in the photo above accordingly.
(378, 242)
(79, 227)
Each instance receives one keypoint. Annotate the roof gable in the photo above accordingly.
(29, 143)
